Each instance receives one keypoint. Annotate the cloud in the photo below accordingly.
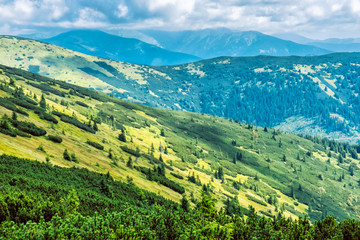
(122, 11)
(313, 18)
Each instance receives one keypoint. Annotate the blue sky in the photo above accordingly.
(312, 18)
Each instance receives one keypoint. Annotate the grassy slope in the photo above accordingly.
(204, 142)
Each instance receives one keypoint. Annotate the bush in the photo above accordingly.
(48, 117)
(6, 103)
(22, 102)
(29, 128)
(177, 175)
(254, 199)
(158, 175)
(59, 114)
(47, 88)
(55, 139)
(136, 152)
(74, 121)
(95, 145)
(82, 104)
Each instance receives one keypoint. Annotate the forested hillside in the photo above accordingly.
(41, 201)
(176, 154)
(309, 95)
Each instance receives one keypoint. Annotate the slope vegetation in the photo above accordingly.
(311, 95)
(172, 153)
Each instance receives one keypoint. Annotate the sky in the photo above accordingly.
(317, 19)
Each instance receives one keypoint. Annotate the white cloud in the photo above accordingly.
(122, 11)
(87, 18)
(314, 18)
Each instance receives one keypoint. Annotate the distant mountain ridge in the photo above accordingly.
(331, 44)
(210, 43)
(101, 44)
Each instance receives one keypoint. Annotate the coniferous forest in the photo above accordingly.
(41, 201)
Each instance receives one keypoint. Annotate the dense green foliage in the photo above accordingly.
(39, 201)
(55, 139)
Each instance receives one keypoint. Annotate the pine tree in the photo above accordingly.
(66, 155)
(43, 102)
(340, 159)
(185, 204)
(110, 154)
(162, 132)
(239, 156)
(351, 170)
(14, 116)
(129, 163)
(152, 148)
(12, 81)
(122, 136)
(95, 127)
(74, 158)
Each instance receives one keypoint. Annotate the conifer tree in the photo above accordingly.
(14, 116)
(95, 127)
(185, 204)
(66, 155)
(129, 163)
(122, 136)
(43, 102)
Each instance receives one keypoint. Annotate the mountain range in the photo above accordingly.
(171, 48)
(153, 47)
(210, 43)
(331, 44)
(101, 44)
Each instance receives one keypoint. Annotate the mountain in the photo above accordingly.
(101, 44)
(310, 95)
(211, 43)
(294, 37)
(331, 44)
(162, 152)
(338, 45)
